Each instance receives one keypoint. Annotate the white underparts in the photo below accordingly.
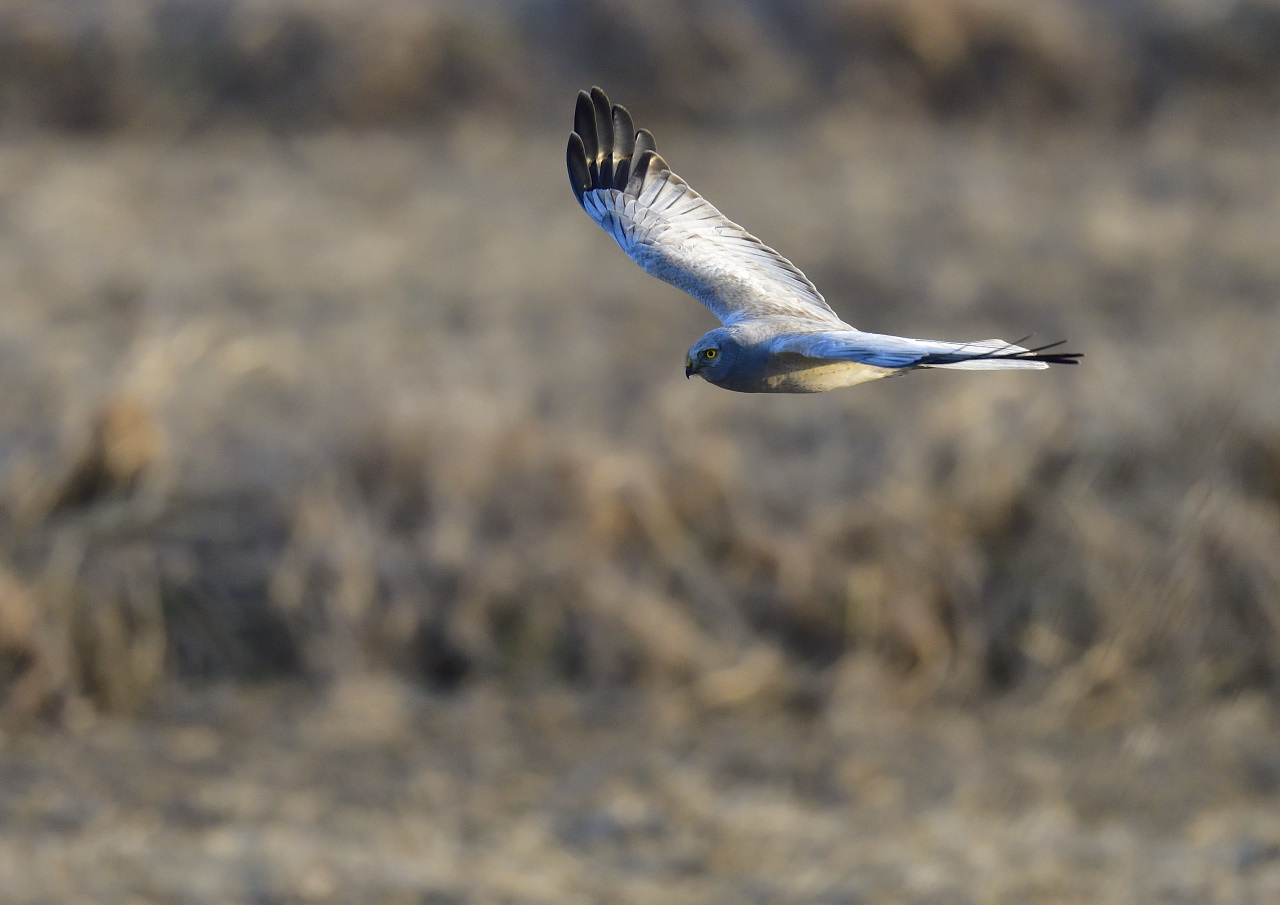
(818, 377)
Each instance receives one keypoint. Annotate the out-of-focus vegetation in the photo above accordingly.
(311, 370)
(287, 399)
(287, 63)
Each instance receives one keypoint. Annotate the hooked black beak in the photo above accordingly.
(688, 369)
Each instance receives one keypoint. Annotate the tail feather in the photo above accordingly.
(995, 354)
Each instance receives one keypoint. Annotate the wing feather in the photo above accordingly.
(579, 169)
(673, 232)
(604, 135)
(624, 144)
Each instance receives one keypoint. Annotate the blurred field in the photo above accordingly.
(360, 539)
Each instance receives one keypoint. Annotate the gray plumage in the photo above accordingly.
(779, 333)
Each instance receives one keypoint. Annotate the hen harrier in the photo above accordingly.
(779, 334)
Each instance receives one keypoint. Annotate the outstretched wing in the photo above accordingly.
(902, 352)
(673, 232)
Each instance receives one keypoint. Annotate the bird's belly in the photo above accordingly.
(818, 377)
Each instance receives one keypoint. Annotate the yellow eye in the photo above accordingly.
(709, 354)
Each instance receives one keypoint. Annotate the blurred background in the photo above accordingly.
(362, 541)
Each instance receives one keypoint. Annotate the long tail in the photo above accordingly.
(901, 353)
(995, 354)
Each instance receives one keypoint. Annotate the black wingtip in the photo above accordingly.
(604, 135)
(640, 164)
(607, 150)
(644, 142)
(624, 132)
(579, 171)
(584, 123)
(624, 145)
(604, 120)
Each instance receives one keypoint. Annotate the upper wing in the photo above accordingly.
(672, 231)
(902, 352)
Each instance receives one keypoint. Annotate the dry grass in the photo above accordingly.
(335, 404)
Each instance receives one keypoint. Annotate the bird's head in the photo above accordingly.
(712, 358)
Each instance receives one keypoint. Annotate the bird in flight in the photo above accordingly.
(779, 335)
